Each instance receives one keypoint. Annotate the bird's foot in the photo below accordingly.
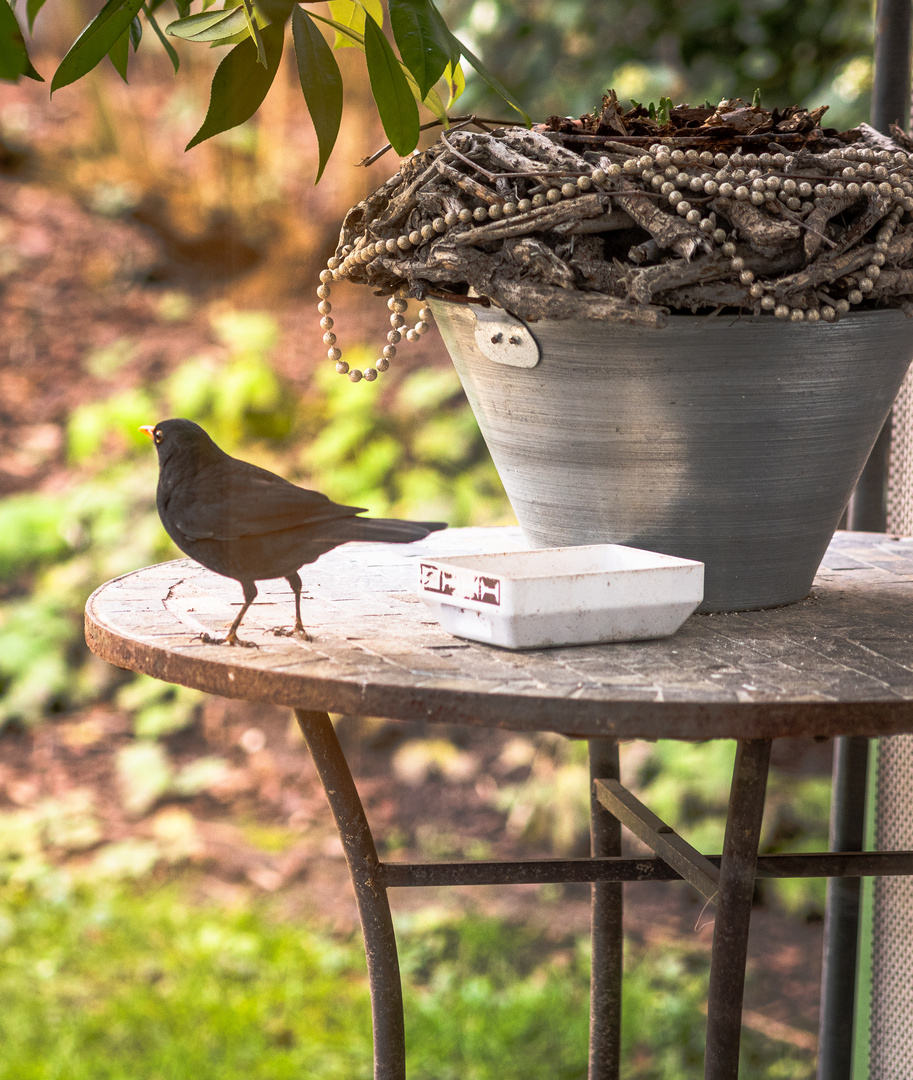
(229, 639)
(296, 631)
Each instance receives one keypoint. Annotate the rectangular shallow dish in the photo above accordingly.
(562, 596)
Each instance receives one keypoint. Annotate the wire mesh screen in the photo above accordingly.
(891, 1018)
(900, 465)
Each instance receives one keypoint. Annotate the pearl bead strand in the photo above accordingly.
(367, 251)
(686, 181)
(394, 337)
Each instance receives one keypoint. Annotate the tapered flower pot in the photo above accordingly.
(734, 441)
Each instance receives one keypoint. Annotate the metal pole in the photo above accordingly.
(890, 105)
(370, 895)
(733, 916)
(867, 512)
(607, 937)
(891, 82)
(841, 922)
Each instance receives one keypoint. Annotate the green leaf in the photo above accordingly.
(259, 20)
(455, 80)
(444, 35)
(353, 37)
(432, 101)
(321, 82)
(119, 54)
(395, 103)
(166, 44)
(95, 41)
(31, 11)
(14, 56)
(241, 83)
(209, 25)
(351, 14)
(493, 84)
(425, 51)
(254, 31)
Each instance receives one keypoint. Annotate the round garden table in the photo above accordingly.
(840, 663)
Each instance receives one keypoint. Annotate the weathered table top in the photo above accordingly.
(838, 663)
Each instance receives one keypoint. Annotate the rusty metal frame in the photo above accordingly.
(370, 895)
(738, 868)
(660, 837)
(732, 875)
(820, 864)
(606, 923)
(840, 949)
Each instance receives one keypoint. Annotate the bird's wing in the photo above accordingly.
(231, 503)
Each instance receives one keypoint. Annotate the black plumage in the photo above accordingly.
(249, 524)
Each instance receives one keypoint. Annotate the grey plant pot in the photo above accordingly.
(735, 441)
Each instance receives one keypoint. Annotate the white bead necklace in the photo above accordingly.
(686, 181)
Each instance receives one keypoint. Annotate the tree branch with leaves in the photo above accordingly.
(423, 67)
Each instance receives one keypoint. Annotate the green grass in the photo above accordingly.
(148, 985)
(122, 984)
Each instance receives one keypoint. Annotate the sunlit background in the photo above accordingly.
(172, 899)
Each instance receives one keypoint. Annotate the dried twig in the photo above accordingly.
(500, 212)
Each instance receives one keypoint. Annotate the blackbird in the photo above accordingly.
(249, 524)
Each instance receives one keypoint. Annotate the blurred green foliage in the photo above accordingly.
(560, 56)
(412, 449)
(550, 806)
(53, 851)
(415, 452)
(543, 790)
(687, 785)
(108, 983)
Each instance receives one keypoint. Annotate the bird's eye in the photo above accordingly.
(157, 435)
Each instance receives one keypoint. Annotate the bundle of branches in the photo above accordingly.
(628, 216)
(731, 123)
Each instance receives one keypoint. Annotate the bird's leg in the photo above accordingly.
(231, 638)
(295, 581)
(250, 594)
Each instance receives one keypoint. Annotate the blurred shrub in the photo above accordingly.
(116, 983)
(562, 57)
(687, 785)
(411, 451)
(30, 534)
(416, 453)
(551, 805)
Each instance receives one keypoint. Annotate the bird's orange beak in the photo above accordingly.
(149, 430)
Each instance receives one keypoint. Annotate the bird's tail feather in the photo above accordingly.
(388, 530)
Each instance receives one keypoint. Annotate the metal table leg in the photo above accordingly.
(730, 932)
(606, 970)
(370, 894)
(841, 919)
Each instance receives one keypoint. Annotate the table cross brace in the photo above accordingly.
(659, 837)
(676, 859)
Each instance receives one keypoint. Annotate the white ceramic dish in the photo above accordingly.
(562, 596)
